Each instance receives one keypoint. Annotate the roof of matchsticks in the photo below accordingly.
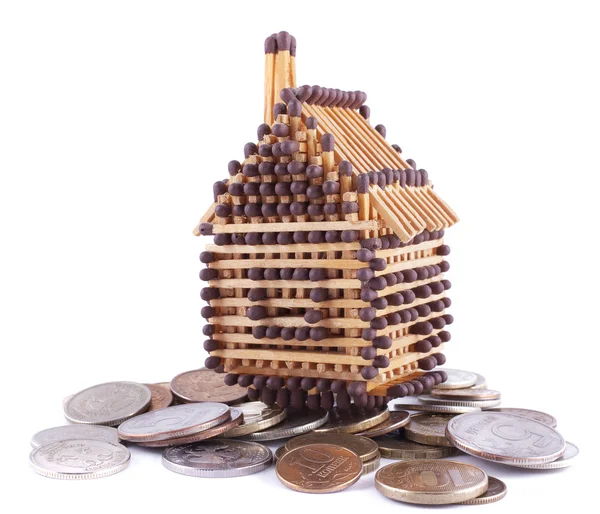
(399, 192)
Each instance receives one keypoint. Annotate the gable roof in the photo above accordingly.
(406, 210)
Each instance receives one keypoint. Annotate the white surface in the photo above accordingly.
(117, 117)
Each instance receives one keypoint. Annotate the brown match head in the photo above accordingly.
(345, 100)
(365, 111)
(293, 47)
(360, 99)
(362, 183)
(327, 142)
(304, 93)
(315, 95)
(311, 123)
(381, 129)
(323, 99)
(287, 94)
(345, 168)
(263, 130)
(271, 45)
(279, 108)
(294, 107)
(284, 41)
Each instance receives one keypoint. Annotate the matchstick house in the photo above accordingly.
(326, 272)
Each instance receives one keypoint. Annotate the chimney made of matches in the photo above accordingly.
(280, 69)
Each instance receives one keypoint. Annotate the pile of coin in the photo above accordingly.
(208, 429)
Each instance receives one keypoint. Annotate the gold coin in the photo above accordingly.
(495, 492)
(394, 447)
(431, 482)
(257, 416)
(319, 468)
(161, 396)
(364, 447)
(466, 394)
(428, 428)
(371, 465)
(353, 420)
(397, 419)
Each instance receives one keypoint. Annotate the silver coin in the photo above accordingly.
(108, 404)
(174, 422)
(432, 407)
(79, 459)
(542, 417)
(218, 458)
(457, 379)
(505, 438)
(482, 404)
(480, 382)
(296, 423)
(564, 461)
(68, 432)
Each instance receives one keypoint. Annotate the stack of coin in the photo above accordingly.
(366, 449)
(180, 424)
(512, 439)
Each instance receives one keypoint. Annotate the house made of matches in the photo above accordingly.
(325, 280)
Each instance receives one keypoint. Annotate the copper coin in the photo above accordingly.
(161, 397)
(319, 468)
(204, 385)
(364, 447)
(542, 417)
(396, 447)
(353, 420)
(466, 394)
(428, 428)
(280, 452)
(236, 418)
(397, 419)
(176, 421)
(371, 465)
(431, 482)
(506, 438)
(495, 492)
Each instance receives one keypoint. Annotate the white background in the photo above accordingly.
(117, 117)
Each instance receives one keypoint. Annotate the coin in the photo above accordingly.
(431, 482)
(482, 404)
(280, 452)
(564, 461)
(432, 407)
(495, 492)
(429, 428)
(67, 432)
(257, 416)
(319, 468)
(79, 459)
(542, 417)
(457, 379)
(218, 458)
(236, 418)
(108, 404)
(506, 438)
(296, 423)
(353, 420)
(480, 382)
(371, 465)
(161, 396)
(395, 447)
(397, 419)
(176, 421)
(466, 394)
(365, 448)
(204, 385)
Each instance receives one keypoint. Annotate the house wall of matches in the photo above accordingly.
(325, 281)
